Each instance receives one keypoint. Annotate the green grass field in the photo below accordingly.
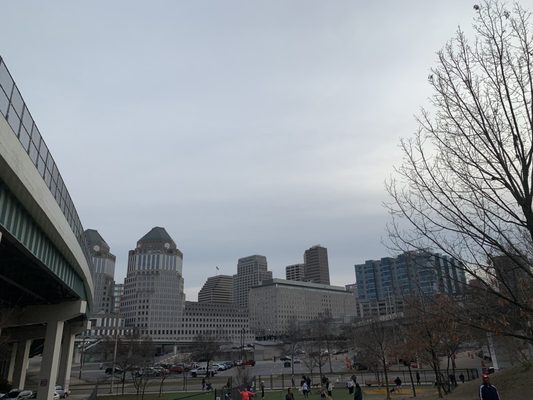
(338, 394)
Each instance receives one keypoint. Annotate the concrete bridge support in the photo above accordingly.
(21, 363)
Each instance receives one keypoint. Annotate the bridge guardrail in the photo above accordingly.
(14, 109)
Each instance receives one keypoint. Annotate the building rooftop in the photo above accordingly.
(156, 234)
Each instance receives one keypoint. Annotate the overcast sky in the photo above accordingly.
(242, 127)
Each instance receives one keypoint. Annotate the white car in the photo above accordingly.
(60, 393)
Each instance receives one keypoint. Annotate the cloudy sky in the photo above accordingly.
(242, 127)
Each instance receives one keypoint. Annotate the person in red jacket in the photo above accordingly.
(488, 391)
(246, 394)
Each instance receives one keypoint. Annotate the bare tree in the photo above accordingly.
(292, 341)
(320, 335)
(434, 334)
(206, 347)
(133, 353)
(465, 185)
(375, 342)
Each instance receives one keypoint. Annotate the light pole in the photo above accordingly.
(114, 356)
(82, 354)
(242, 345)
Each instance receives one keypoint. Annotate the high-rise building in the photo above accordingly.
(295, 272)
(103, 272)
(251, 271)
(154, 299)
(118, 293)
(316, 265)
(383, 284)
(217, 289)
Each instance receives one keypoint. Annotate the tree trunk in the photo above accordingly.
(411, 376)
(386, 376)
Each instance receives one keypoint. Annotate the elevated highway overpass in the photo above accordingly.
(45, 280)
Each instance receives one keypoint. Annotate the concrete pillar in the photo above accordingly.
(21, 363)
(50, 361)
(65, 362)
(11, 369)
(69, 351)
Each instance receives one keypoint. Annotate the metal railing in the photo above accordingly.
(15, 111)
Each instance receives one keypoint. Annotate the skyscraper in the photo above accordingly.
(251, 271)
(316, 265)
(154, 299)
(103, 273)
(295, 272)
(218, 289)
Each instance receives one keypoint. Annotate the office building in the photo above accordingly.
(153, 298)
(102, 271)
(224, 322)
(383, 284)
(316, 265)
(276, 302)
(118, 292)
(217, 289)
(251, 271)
(295, 272)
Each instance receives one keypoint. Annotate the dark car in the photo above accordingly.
(109, 370)
(248, 362)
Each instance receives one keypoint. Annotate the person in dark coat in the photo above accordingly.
(488, 391)
(358, 392)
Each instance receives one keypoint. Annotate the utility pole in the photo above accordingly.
(114, 355)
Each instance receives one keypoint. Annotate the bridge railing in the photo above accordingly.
(15, 111)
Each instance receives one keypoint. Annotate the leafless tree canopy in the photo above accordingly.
(465, 185)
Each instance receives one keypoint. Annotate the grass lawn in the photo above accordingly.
(338, 394)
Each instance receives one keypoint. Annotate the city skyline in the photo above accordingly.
(243, 128)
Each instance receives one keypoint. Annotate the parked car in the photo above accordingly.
(18, 394)
(177, 368)
(228, 364)
(219, 367)
(60, 392)
(248, 362)
(284, 358)
(202, 371)
(109, 370)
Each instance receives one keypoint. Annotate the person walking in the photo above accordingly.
(289, 395)
(358, 392)
(350, 384)
(262, 385)
(488, 391)
(305, 389)
(329, 388)
(398, 383)
(246, 394)
(203, 384)
(418, 378)
(462, 378)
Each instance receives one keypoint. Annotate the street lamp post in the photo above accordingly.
(82, 354)
(114, 356)
(242, 345)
